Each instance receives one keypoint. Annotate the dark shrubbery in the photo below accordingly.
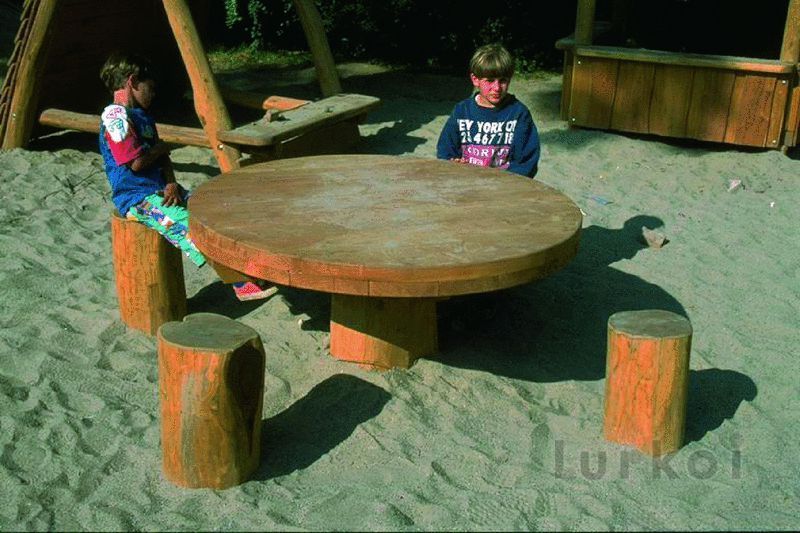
(440, 33)
(443, 33)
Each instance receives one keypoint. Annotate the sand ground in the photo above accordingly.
(501, 430)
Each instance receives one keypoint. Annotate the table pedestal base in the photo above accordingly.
(382, 332)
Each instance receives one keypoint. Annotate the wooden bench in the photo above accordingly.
(296, 128)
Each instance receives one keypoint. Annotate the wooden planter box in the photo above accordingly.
(741, 101)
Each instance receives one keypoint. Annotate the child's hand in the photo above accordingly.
(459, 160)
(172, 194)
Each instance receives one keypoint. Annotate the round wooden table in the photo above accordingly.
(388, 236)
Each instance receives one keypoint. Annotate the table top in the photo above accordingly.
(379, 225)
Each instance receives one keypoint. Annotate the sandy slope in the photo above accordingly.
(490, 434)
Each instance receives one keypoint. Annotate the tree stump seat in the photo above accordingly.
(647, 378)
(211, 384)
(148, 273)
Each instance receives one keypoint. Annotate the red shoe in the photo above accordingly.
(248, 290)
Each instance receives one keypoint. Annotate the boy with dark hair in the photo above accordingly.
(138, 166)
(491, 128)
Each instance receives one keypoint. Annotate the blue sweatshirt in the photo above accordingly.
(502, 137)
(125, 134)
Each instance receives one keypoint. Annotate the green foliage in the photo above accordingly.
(254, 9)
(439, 34)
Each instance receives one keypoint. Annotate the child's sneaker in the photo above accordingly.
(248, 290)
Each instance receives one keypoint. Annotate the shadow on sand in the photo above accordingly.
(556, 329)
(317, 423)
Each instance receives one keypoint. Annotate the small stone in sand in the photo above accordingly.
(735, 185)
(653, 238)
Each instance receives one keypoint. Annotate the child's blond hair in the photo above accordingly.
(492, 61)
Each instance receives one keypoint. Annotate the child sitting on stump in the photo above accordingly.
(137, 163)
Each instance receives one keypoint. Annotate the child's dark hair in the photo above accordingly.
(120, 66)
(492, 61)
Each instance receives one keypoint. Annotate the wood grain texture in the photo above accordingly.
(669, 105)
(376, 225)
(24, 98)
(647, 377)
(778, 112)
(148, 273)
(633, 95)
(382, 333)
(751, 105)
(211, 388)
(325, 112)
(712, 90)
(742, 64)
(790, 45)
(60, 118)
(594, 83)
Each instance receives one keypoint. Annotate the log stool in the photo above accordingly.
(647, 378)
(148, 272)
(211, 386)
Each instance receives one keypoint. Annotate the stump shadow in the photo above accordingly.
(315, 424)
(554, 329)
(714, 397)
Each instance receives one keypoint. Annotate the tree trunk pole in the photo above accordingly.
(790, 47)
(208, 101)
(584, 22)
(320, 49)
(22, 109)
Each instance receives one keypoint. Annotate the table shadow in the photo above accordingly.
(315, 424)
(219, 298)
(554, 329)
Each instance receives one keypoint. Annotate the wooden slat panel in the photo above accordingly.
(710, 103)
(669, 106)
(751, 105)
(779, 102)
(631, 108)
(593, 85)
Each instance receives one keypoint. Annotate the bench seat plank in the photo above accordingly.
(327, 111)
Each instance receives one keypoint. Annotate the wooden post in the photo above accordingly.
(148, 272)
(211, 386)
(790, 47)
(22, 110)
(647, 378)
(382, 333)
(584, 22)
(208, 102)
(320, 49)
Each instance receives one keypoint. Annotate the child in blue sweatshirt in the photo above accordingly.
(491, 128)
